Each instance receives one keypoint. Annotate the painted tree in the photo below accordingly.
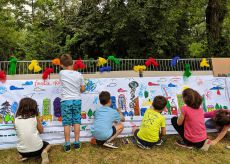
(217, 106)
(7, 118)
(146, 94)
(5, 108)
(90, 113)
(168, 106)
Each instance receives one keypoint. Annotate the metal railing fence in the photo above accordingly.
(125, 65)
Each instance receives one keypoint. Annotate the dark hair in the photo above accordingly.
(104, 97)
(66, 60)
(28, 108)
(159, 102)
(192, 98)
(222, 117)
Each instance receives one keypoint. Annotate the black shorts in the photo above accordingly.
(35, 153)
(99, 142)
(144, 143)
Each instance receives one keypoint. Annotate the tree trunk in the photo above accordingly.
(215, 13)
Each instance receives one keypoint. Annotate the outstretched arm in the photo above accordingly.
(39, 125)
(82, 88)
(180, 119)
(163, 131)
(121, 115)
(221, 135)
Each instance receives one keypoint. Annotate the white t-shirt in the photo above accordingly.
(71, 82)
(28, 135)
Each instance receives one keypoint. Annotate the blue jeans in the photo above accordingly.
(210, 124)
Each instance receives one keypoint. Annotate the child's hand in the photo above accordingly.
(40, 119)
(119, 110)
(213, 142)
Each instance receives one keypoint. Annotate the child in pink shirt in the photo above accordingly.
(190, 124)
(220, 120)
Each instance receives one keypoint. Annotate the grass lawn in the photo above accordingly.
(129, 153)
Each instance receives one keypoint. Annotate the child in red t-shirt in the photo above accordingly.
(190, 124)
(220, 120)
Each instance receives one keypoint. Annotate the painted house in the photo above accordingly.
(210, 108)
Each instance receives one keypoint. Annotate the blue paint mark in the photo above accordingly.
(112, 85)
(125, 113)
(44, 123)
(28, 83)
(113, 102)
(3, 90)
(90, 86)
(131, 113)
(95, 101)
(141, 91)
(12, 87)
(14, 107)
(143, 111)
(216, 88)
(171, 85)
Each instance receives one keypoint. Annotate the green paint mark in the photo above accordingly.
(90, 113)
(204, 104)
(180, 101)
(146, 94)
(217, 106)
(168, 106)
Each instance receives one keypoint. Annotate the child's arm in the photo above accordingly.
(121, 115)
(82, 84)
(221, 135)
(180, 119)
(82, 88)
(39, 125)
(163, 131)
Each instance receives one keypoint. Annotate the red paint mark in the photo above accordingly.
(152, 84)
(121, 90)
(218, 92)
(167, 96)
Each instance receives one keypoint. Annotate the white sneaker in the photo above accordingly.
(206, 145)
(110, 145)
(45, 158)
(142, 146)
(160, 142)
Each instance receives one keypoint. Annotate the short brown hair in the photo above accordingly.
(192, 98)
(104, 97)
(28, 108)
(66, 60)
(159, 102)
(222, 117)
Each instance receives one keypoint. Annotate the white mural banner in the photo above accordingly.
(132, 95)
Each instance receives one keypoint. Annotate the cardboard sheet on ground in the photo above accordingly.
(132, 95)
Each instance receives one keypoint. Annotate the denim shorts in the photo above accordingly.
(71, 112)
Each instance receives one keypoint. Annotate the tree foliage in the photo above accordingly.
(44, 29)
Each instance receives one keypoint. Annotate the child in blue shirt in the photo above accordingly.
(107, 125)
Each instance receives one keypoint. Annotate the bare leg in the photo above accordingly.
(45, 157)
(67, 133)
(47, 149)
(77, 131)
(119, 128)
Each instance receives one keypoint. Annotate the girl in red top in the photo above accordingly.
(220, 120)
(190, 124)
